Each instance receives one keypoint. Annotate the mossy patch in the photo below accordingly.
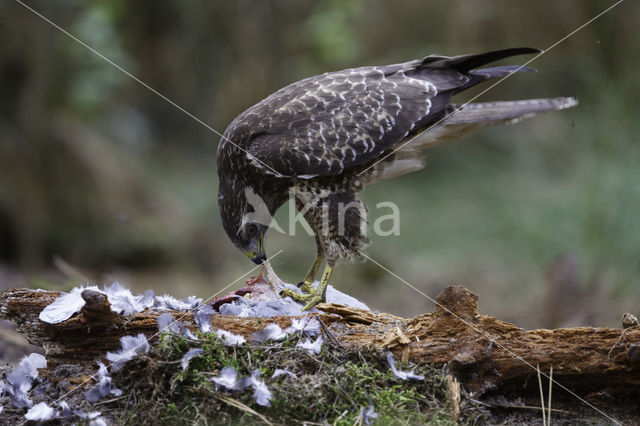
(336, 387)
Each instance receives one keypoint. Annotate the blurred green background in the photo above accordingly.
(101, 179)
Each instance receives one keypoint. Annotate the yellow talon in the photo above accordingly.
(312, 296)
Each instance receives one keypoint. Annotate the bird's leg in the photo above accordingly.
(313, 296)
(320, 295)
(308, 279)
(310, 296)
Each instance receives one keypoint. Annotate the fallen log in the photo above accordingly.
(480, 351)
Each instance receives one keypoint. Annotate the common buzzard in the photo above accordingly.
(325, 138)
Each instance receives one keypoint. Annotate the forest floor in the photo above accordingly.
(281, 370)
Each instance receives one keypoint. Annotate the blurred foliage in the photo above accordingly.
(102, 172)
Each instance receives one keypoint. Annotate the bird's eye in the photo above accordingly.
(252, 230)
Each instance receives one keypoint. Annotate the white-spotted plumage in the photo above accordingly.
(331, 135)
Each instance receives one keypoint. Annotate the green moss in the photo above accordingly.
(333, 386)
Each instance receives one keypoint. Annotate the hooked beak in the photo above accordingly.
(259, 256)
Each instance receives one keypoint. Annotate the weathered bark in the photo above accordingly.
(481, 351)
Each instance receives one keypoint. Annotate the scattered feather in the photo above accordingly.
(261, 393)
(131, 346)
(65, 306)
(102, 387)
(121, 299)
(228, 379)
(30, 364)
(312, 328)
(270, 332)
(89, 416)
(297, 325)
(191, 353)
(265, 302)
(404, 375)
(146, 299)
(168, 302)
(188, 334)
(241, 307)
(192, 301)
(311, 347)
(1, 407)
(18, 387)
(166, 323)
(41, 412)
(202, 316)
(279, 307)
(98, 421)
(368, 414)
(65, 411)
(19, 380)
(124, 302)
(280, 372)
(94, 394)
(340, 298)
(230, 339)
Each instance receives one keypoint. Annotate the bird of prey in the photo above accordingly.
(324, 139)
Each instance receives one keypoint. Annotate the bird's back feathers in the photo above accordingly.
(330, 123)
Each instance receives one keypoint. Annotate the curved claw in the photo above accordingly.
(306, 287)
(311, 297)
(313, 302)
(298, 297)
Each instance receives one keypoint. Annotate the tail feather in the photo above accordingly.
(505, 111)
(497, 72)
(452, 75)
(455, 74)
(484, 74)
(464, 63)
(462, 120)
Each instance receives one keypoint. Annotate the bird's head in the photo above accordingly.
(250, 239)
(245, 218)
